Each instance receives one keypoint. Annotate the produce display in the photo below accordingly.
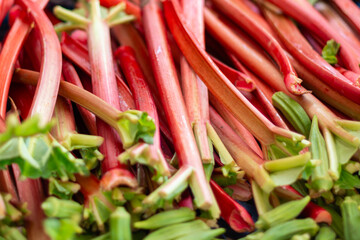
(179, 119)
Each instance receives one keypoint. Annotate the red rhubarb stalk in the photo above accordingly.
(329, 95)
(171, 97)
(231, 211)
(303, 12)
(241, 131)
(79, 55)
(104, 86)
(242, 17)
(195, 92)
(143, 99)
(127, 35)
(71, 76)
(50, 72)
(304, 53)
(319, 214)
(353, 77)
(240, 80)
(219, 85)
(263, 93)
(244, 157)
(9, 55)
(350, 11)
(339, 24)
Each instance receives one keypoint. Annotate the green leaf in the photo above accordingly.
(347, 181)
(10, 233)
(134, 125)
(63, 190)
(29, 127)
(225, 181)
(286, 177)
(38, 157)
(61, 229)
(91, 157)
(330, 50)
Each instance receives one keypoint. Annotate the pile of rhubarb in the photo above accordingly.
(163, 119)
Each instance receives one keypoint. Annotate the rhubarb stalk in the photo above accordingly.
(170, 93)
(303, 12)
(241, 16)
(144, 102)
(222, 88)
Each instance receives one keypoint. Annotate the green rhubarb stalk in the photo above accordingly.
(177, 230)
(286, 230)
(60, 208)
(173, 187)
(287, 163)
(166, 218)
(282, 213)
(320, 179)
(326, 233)
(120, 225)
(293, 112)
(261, 199)
(351, 219)
(225, 156)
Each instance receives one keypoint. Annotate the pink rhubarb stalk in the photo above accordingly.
(79, 55)
(241, 16)
(195, 92)
(127, 35)
(104, 86)
(304, 53)
(263, 93)
(71, 76)
(350, 11)
(171, 97)
(143, 99)
(338, 23)
(303, 12)
(50, 72)
(219, 85)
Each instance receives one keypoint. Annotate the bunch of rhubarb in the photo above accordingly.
(180, 119)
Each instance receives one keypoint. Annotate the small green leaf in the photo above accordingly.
(91, 157)
(61, 229)
(347, 180)
(63, 190)
(134, 125)
(225, 181)
(330, 50)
